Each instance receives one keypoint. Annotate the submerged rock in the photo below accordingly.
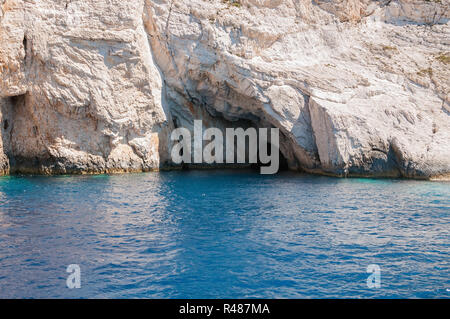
(356, 87)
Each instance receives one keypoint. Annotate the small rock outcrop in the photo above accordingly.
(356, 87)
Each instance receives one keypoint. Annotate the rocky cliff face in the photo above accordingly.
(356, 87)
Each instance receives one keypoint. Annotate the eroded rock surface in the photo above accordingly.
(87, 92)
(357, 87)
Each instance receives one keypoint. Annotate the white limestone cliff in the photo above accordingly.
(357, 87)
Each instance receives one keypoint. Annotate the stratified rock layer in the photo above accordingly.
(357, 87)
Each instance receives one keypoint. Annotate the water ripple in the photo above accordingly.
(223, 234)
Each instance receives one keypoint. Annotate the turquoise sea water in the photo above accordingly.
(223, 234)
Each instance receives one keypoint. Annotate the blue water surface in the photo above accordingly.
(223, 234)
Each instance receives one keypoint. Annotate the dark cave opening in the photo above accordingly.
(255, 162)
(15, 100)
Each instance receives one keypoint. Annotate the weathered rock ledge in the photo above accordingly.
(356, 87)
